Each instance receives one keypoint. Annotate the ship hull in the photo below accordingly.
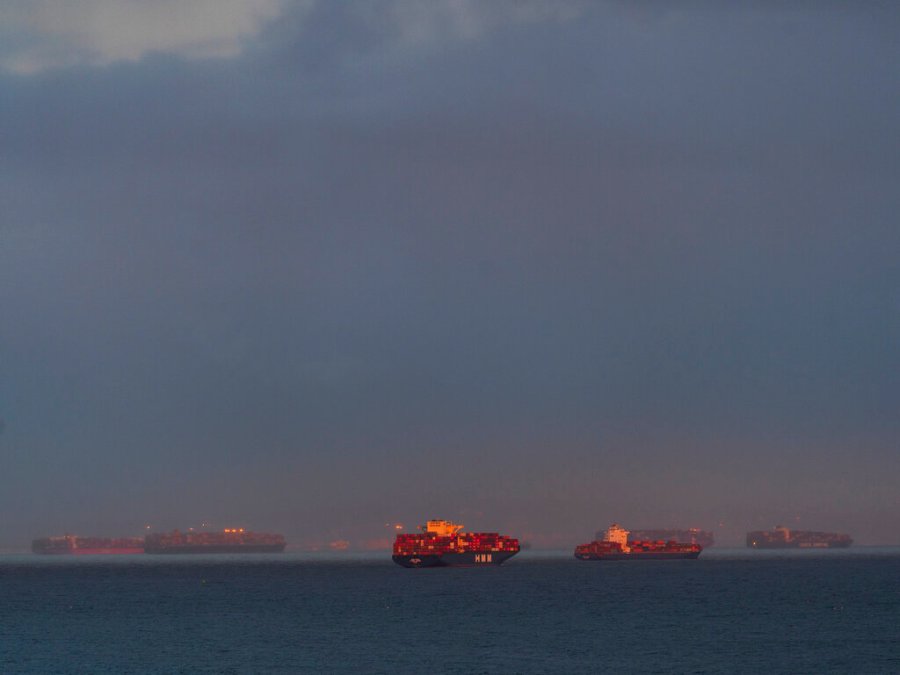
(641, 555)
(93, 551)
(223, 548)
(72, 545)
(802, 545)
(467, 559)
(107, 551)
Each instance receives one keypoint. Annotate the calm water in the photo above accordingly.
(730, 611)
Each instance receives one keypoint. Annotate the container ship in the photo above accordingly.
(782, 537)
(440, 544)
(71, 545)
(234, 540)
(615, 545)
(690, 535)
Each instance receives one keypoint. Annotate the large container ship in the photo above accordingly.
(782, 537)
(71, 545)
(440, 544)
(232, 540)
(615, 545)
(691, 535)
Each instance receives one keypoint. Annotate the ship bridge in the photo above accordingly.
(442, 528)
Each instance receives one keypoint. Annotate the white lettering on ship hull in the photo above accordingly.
(483, 558)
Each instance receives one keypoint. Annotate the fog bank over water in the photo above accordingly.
(322, 268)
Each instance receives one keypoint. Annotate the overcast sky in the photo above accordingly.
(315, 267)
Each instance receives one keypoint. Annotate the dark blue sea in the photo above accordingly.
(731, 611)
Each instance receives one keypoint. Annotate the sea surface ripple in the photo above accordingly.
(731, 611)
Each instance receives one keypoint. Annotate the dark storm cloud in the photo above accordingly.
(384, 263)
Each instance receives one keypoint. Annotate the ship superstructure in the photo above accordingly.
(615, 544)
(783, 537)
(441, 544)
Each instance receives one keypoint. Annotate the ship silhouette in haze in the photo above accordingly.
(782, 537)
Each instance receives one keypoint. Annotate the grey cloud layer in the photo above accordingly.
(542, 253)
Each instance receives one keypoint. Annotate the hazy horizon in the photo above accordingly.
(319, 268)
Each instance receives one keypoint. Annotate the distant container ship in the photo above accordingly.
(440, 544)
(782, 537)
(72, 545)
(235, 540)
(690, 535)
(614, 544)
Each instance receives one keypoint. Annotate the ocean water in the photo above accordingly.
(731, 611)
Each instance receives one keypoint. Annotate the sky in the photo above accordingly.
(323, 267)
